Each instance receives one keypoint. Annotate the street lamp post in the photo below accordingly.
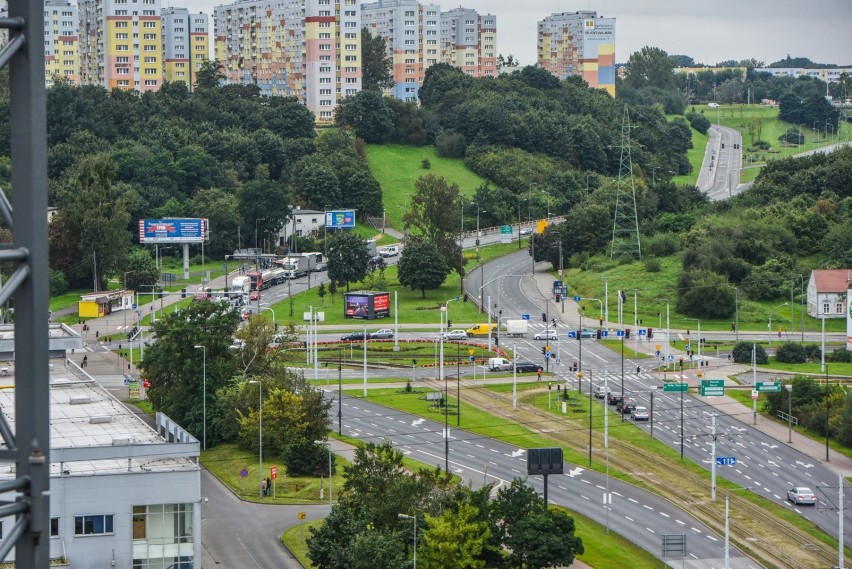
(204, 393)
(414, 517)
(123, 307)
(260, 437)
(802, 303)
(700, 363)
(256, 261)
(328, 447)
(770, 321)
(481, 266)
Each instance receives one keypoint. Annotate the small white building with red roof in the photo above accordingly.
(828, 293)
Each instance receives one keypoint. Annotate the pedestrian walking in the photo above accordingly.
(263, 487)
(268, 487)
(539, 374)
(85, 360)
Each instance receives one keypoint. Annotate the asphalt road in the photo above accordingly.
(720, 172)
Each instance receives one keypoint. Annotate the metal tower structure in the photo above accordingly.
(625, 227)
(25, 446)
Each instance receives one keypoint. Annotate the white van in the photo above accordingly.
(499, 364)
(389, 251)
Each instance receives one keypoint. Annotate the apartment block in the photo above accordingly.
(308, 49)
(61, 55)
(121, 44)
(579, 44)
(830, 75)
(469, 41)
(185, 44)
(412, 32)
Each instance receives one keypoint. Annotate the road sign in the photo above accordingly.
(755, 394)
(274, 472)
(578, 298)
(470, 358)
(768, 386)
(525, 316)
(686, 346)
(572, 334)
(243, 472)
(675, 387)
(471, 351)
(726, 460)
(619, 333)
(505, 234)
(713, 387)
(604, 333)
(657, 346)
(641, 331)
(671, 358)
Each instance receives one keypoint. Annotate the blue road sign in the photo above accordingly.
(726, 460)
(641, 331)
(525, 316)
(604, 333)
(686, 346)
(559, 361)
(572, 334)
(671, 358)
(470, 358)
(133, 306)
(578, 298)
(657, 353)
(619, 333)
(243, 472)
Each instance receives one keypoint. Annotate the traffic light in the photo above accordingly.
(650, 333)
(449, 323)
(465, 297)
(598, 334)
(627, 333)
(544, 317)
(543, 351)
(183, 293)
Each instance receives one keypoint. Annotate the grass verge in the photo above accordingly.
(295, 539)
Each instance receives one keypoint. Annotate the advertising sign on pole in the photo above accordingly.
(344, 219)
(173, 230)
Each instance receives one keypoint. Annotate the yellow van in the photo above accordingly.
(483, 330)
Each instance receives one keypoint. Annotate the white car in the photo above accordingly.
(801, 495)
(455, 335)
(713, 105)
(526, 231)
(640, 414)
(546, 335)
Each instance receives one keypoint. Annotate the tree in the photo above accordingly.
(222, 210)
(97, 216)
(421, 266)
(650, 67)
(704, 294)
(741, 353)
(347, 258)
(376, 66)
(173, 364)
(368, 115)
(209, 75)
(140, 271)
(455, 539)
(265, 203)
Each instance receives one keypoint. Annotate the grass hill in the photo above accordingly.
(398, 167)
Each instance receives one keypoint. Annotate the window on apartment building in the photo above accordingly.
(120, 36)
(121, 24)
(149, 36)
(150, 48)
(325, 114)
(123, 83)
(351, 24)
(431, 61)
(325, 102)
(409, 42)
(150, 71)
(410, 61)
(122, 59)
(121, 12)
(409, 72)
(325, 24)
(351, 80)
(151, 82)
(431, 42)
(351, 58)
(431, 32)
(325, 91)
(409, 13)
(54, 527)
(325, 35)
(350, 92)
(351, 70)
(410, 80)
(151, 25)
(122, 47)
(122, 71)
(325, 79)
(410, 22)
(409, 32)
(325, 46)
(98, 524)
(325, 12)
(148, 13)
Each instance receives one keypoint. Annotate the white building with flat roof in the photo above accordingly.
(122, 494)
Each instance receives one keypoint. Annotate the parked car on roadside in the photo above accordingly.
(383, 334)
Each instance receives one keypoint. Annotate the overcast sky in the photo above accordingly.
(709, 31)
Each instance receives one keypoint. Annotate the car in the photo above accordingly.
(254, 295)
(320, 267)
(614, 398)
(455, 335)
(601, 391)
(355, 337)
(625, 406)
(801, 495)
(640, 414)
(383, 334)
(526, 231)
(546, 335)
(588, 333)
(713, 105)
(527, 367)
(389, 251)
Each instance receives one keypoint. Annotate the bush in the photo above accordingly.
(307, 459)
(450, 145)
(841, 355)
(56, 283)
(652, 265)
(814, 353)
(742, 353)
(699, 122)
(791, 353)
(660, 245)
(760, 145)
(704, 294)
(426, 163)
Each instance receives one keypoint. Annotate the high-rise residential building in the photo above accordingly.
(185, 44)
(121, 44)
(61, 56)
(412, 32)
(469, 41)
(309, 49)
(580, 44)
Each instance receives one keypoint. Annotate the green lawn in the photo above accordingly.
(696, 157)
(413, 308)
(295, 539)
(398, 167)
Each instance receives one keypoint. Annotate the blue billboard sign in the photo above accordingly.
(173, 230)
(344, 219)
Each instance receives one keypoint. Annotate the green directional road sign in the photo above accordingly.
(505, 233)
(713, 387)
(768, 386)
(675, 387)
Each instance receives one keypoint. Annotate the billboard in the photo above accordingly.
(173, 230)
(849, 320)
(366, 305)
(343, 219)
(357, 305)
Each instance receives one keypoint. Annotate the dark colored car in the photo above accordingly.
(527, 367)
(615, 398)
(625, 406)
(354, 337)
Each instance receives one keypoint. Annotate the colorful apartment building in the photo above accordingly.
(121, 44)
(469, 41)
(61, 57)
(185, 44)
(308, 49)
(412, 32)
(579, 44)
